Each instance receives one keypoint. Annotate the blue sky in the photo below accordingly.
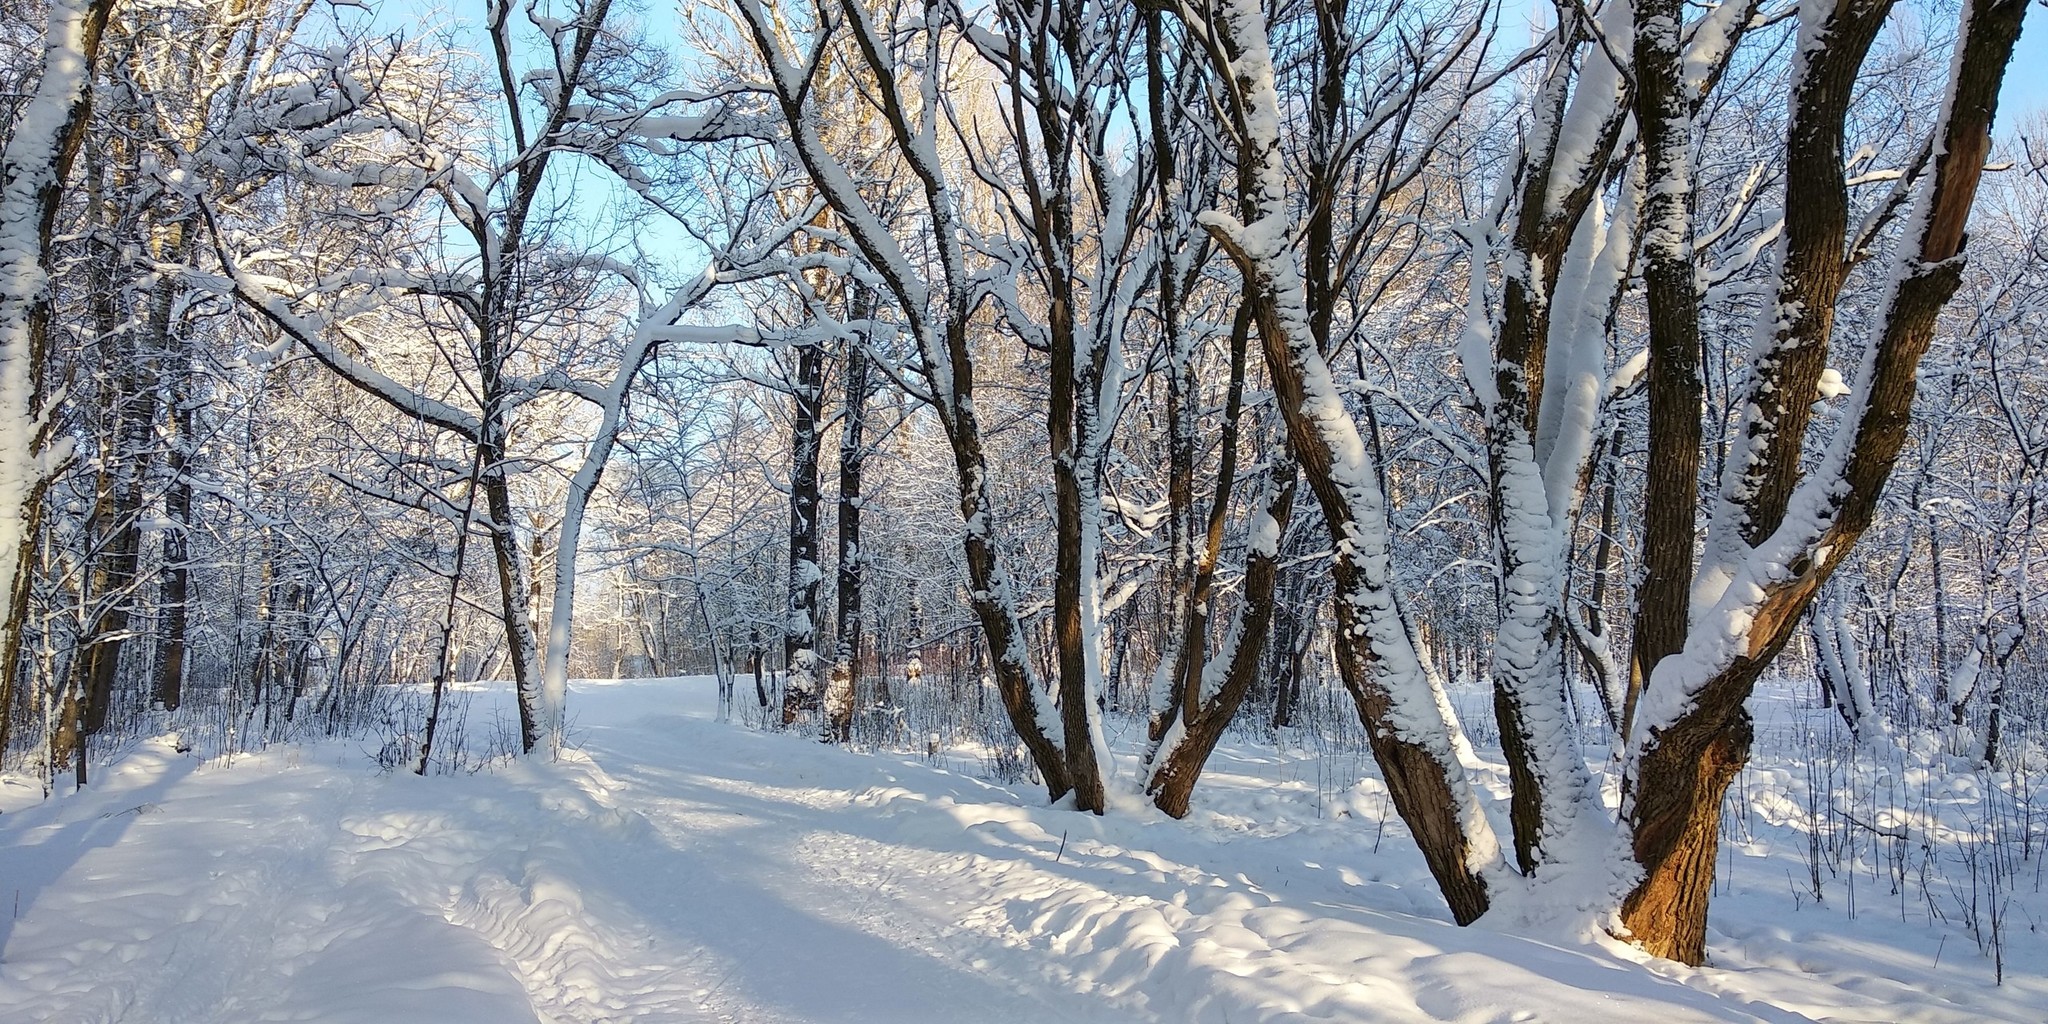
(2024, 98)
(2026, 81)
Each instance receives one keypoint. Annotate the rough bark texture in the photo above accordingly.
(1418, 777)
(1812, 266)
(1203, 718)
(1376, 656)
(1671, 501)
(1683, 766)
(800, 612)
(1678, 830)
(840, 693)
(33, 169)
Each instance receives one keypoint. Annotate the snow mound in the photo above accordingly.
(680, 869)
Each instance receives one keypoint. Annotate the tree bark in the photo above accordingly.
(938, 317)
(841, 694)
(1671, 502)
(515, 583)
(175, 596)
(1377, 660)
(800, 610)
(41, 145)
(1686, 749)
(1204, 710)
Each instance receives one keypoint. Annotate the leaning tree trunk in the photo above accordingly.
(1377, 660)
(1212, 691)
(1781, 530)
(1203, 695)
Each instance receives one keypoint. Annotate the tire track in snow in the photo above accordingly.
(807, 919)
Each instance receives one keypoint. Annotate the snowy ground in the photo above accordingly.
(677, 869)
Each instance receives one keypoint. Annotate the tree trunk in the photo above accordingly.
(1539, 424)
(1677, 822)
(515, 584)
(41, 145)
(754, 657)
(841, 694)
(1204, 695)
(1396, 700)
(940, 328)
(1214, 690)
(1691, 734)
(442, 660)
(111, 543)
(175, 597)
(800, 622)
(1671, 501)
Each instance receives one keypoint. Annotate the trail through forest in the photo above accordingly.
(675, 868)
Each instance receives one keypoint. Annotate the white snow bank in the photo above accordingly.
(677, 869)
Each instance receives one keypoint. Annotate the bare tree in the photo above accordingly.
(527, 292)
(33, 169)
(937, 305)
(1779, 529)
(1402, 706)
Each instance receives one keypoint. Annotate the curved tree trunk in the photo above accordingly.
(1781, 531)
(1214, 690)
(1396, 700)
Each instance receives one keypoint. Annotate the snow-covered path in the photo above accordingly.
(781, 911)
(678, 869)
